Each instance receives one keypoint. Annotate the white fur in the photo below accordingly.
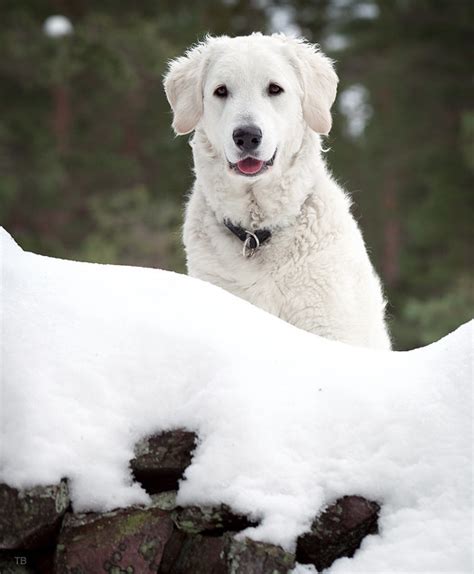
(314, 272)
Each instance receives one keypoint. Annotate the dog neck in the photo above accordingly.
(274, 200)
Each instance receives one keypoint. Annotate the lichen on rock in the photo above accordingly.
(32, 516)
(126, 540)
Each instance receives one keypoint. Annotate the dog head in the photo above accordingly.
(253, 97)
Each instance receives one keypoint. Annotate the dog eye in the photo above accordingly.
(221, 92)
(274, 89)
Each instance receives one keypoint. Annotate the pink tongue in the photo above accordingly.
(250, 165)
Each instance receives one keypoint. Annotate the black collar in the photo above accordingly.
(251, 239)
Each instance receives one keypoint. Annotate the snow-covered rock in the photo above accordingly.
(96, 357)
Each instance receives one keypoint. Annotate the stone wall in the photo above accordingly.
(40, 534)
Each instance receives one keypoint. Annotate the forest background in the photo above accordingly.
(90, 168)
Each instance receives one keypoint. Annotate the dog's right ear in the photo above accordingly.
(183, 87)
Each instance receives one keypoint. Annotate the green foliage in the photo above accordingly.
(90, 169)
(428, 319)
(133, 228)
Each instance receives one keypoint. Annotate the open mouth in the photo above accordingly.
(252, 166)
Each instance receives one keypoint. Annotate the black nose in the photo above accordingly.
(247, 138)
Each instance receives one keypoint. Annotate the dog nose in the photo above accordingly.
(247, 138)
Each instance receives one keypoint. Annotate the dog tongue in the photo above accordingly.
(250, 165)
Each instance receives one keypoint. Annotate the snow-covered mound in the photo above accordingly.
(95, 357)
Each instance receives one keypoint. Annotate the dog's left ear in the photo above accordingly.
(183, 87)
(319, 83)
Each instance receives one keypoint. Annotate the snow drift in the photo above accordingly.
(94, 357)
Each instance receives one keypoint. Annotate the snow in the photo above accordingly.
(94, 357)
(57, 26)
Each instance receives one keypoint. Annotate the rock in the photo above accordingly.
(209, 520)
(194, 554)
(31, 518)
(172, 551)
(125, 541)
(165, 500)
(161, 460)
(200, 520)
(338, 531)
(199, 554)
(249, 557)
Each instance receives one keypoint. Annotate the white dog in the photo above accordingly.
(265, 219)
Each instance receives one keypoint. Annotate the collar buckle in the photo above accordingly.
(251, 240)
(251, 244)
